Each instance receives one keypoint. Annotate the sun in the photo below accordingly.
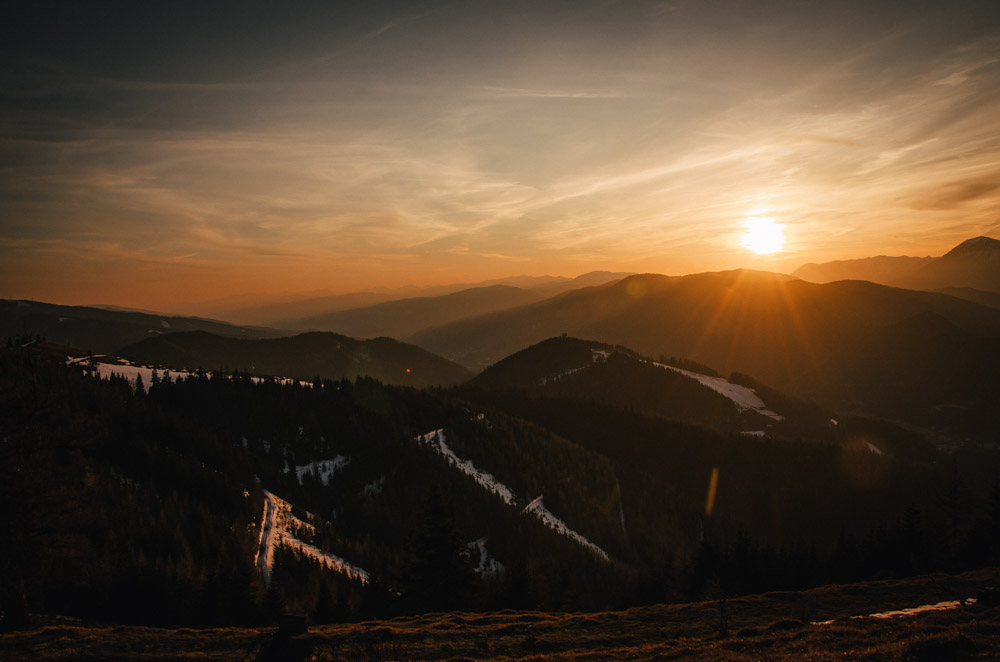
(763, 235)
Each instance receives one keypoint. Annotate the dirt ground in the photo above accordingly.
(820, 624)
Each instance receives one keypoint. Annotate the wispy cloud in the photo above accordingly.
(529, 93)
(453, 138)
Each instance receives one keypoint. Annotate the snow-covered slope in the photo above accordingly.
(436, 440)
(744, 398)
(539, 510)
(106, 366)
(279, 526)
(322, 469)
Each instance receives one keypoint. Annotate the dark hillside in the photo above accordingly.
(592, 371)
(305, 356)
(105, 331)
(148, 506)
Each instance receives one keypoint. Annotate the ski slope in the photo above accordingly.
(277, 529)
(744, 398)
(436, 440)
(538, 509)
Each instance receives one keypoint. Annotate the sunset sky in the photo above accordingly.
(160, 153)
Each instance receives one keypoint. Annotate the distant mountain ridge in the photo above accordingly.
(974, 264)
(404, 317)
(849, 344)
(308, 355)
(296, 311)
(105, 330)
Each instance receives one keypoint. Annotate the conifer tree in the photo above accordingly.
(439, 576)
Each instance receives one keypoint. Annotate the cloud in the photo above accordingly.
(473, 132)
(955, 195)
(549, 94)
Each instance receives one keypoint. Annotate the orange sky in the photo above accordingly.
(154, 155)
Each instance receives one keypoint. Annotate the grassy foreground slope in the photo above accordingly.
(773, 626)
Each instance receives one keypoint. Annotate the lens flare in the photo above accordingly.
(713, 485)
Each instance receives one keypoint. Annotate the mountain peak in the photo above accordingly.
(976, 245)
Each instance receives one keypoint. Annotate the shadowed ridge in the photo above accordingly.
(305, 356)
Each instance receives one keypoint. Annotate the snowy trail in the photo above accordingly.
(548, 519)
(436, 440)
(268, 531)
(276, 527)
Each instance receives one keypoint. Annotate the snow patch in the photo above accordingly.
(874, 449)
(82, 359)
(548, 519)
(323, 469)
(754, 433)
(374, 487)
(165, 323)
(744, 398)
(106, 366)
(436, 440)
(277, 528)
(486, 565)
(131, 372)
(600, 355)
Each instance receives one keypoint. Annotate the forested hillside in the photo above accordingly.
(304, 356)
(147, 505)
(671, 388)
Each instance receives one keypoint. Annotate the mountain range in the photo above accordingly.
(919, 357)
(307, 312)
(105, 330)
(643, 439)
(405, 317)
(852, 345)
(973, 265)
